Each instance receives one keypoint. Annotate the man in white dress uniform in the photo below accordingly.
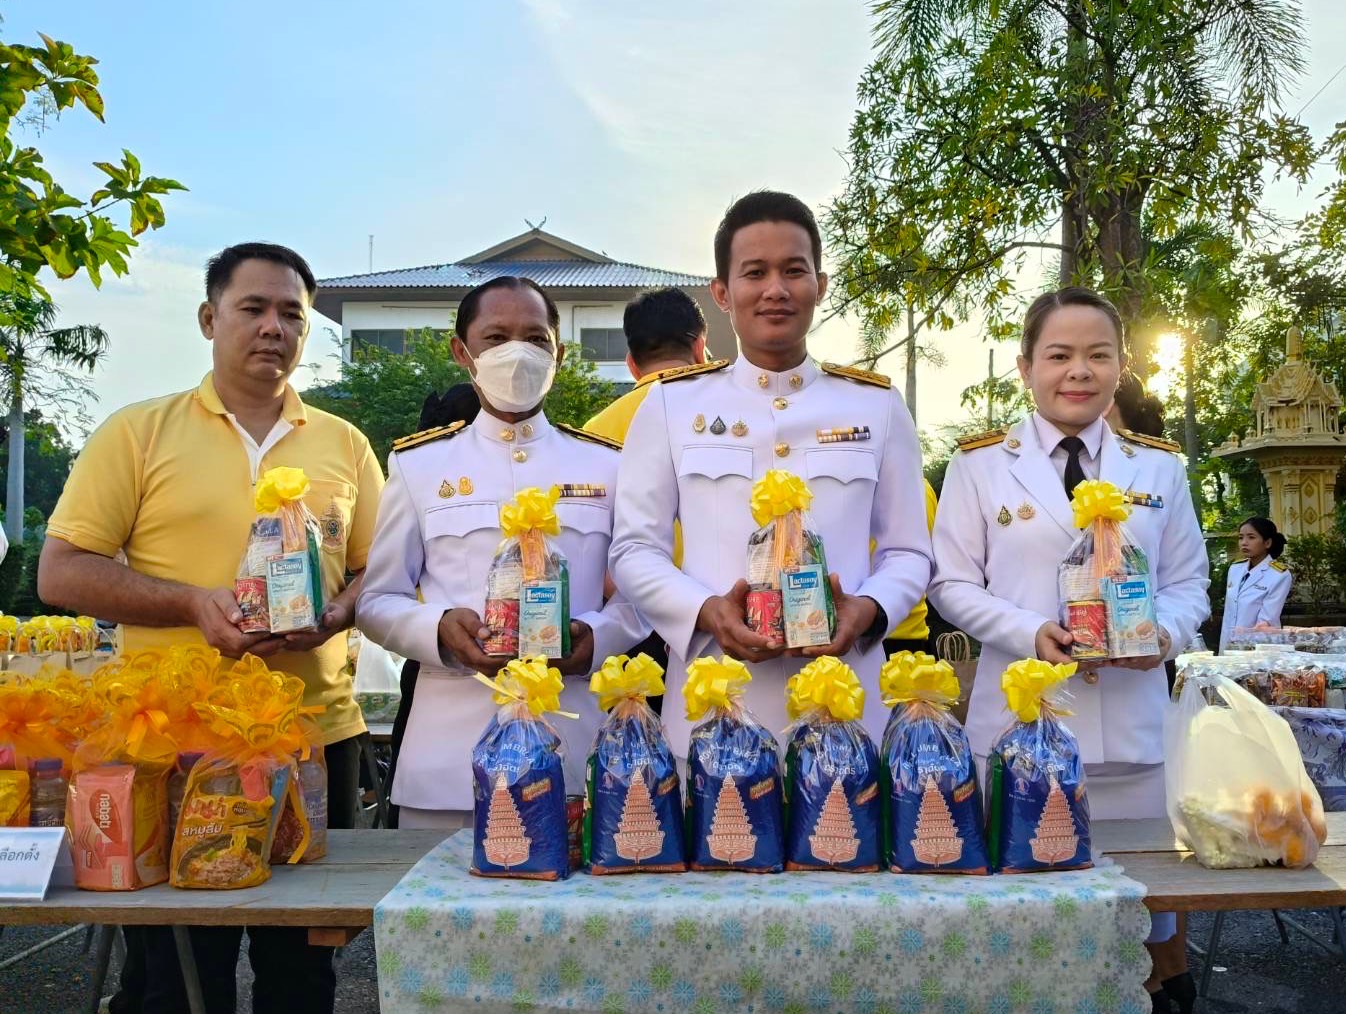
(439, 528)
(704, 436)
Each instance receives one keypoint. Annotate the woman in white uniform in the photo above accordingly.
(1004, 525)
(1258, 584)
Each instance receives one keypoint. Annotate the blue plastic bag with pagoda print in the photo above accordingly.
(933, 813)
(519, 812)
(734, 804)
(633, 816)
(1039, 812)
(832, 804)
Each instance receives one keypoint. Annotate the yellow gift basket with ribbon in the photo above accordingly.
(528, 584)
(279, 579)
(789, 595)
(1107, 592)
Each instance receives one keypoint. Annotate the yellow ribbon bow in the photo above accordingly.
(622, 678)
(1030, 682)
(825, 684)
(915, 676)
(277, 487)
(1096, 500)
(531, 510)
(778, 493)
(712, 684)
(530, 682)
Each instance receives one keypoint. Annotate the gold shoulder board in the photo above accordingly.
(426, 436)
(593, 438)
(694, 370)
(987, 439)
(858, 375)
(1147, 441)
(1277, 565)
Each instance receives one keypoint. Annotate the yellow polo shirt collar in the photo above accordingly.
(292, 411)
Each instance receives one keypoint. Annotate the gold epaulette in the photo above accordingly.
(694, 370)
(858, 375)
(593, 438)
(987, 439)
(1277, 565)
(1147, 441)
(426, 436)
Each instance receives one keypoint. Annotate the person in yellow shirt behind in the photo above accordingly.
(170, 483)
(665, 333)
(913, 633)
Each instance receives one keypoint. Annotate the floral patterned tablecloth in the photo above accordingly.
(812, 943)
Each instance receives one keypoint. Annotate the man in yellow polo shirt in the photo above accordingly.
(170, 483)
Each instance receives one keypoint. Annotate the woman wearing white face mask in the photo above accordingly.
(439, 526)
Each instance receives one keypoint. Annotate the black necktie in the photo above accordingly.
(1074, 470)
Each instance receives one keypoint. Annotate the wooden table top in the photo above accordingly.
(362, 866)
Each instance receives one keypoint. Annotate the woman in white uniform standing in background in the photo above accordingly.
(1003, 527)
(1258, 584)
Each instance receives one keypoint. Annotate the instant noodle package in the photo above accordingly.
(1107, 593)
(279, 582)
(789, 594)
(934, 814)
(734, 792)
(528, 583)
(833, 807)
(633, 809)
(519, 818)
(1039, 813)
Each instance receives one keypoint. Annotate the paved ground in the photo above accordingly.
(1259, 972)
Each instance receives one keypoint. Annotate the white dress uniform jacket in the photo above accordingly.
(675, 465)
(1003, 526)
(1259, 599)
(438, 528)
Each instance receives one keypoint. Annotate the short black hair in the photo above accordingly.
(471, 303)
(662, 324)
(458, 404)
(1072, 295)
(220, 268)
(764, 206)
(1141, 411)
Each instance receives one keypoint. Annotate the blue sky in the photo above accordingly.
(439, 127)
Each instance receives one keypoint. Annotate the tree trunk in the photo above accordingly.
(1191, 440)
(14, 480)
(1121, 257)
(911, 362)
(990, 389)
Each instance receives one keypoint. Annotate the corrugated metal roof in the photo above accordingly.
(571, 273)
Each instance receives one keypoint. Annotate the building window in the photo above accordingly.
(390, 340)
(603, 344)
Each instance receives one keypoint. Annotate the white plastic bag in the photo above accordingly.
(1238, 794)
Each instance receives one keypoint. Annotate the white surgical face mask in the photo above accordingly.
(514, 376)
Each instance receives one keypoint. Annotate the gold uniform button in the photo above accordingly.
(782, 450)
(521, 456)
(796, 381)
(781, 403)
(527, 429)
(507, 436)
(763, 380)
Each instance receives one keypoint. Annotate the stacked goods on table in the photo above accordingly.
(735, 818)
(528, 583)
(279, 581)
(832, 804)
(789, 593)
(519, 820)
(1107, 595)
(633, 803)
(1238, 792)
(44, 635)
(1038, 809)
(933, 804)
(136, 745)
(1323, 640)
(1305, 688)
